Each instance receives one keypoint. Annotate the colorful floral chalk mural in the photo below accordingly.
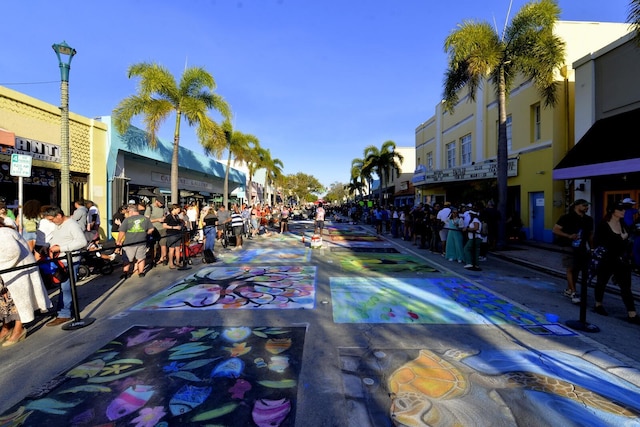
(383, 263)
(444, 300)
(239, 287)
(268, 255)
(175, 376)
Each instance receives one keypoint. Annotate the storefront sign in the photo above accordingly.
(419, 174)
(471, 172)
(38, 150)
(185, 183)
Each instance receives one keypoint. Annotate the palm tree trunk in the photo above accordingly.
(225, 196)
(503, 161)
(264, 193)
(175, 196)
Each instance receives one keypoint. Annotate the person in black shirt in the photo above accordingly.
(575, 234)
(116, 220)
(612, 239)
(174, 226)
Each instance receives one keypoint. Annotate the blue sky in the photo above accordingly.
(315, 80)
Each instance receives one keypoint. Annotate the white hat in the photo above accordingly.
(628, 201)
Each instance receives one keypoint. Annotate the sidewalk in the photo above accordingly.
(547, 258)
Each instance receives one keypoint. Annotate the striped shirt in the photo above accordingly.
(236, 220)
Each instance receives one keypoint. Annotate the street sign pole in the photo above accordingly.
(20, 167)
(20, 203)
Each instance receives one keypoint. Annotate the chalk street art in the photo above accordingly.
(502, 387)
(268, 255)
(363, 237)
(360, 244)
(490, 278)
(497, 310)
(347, 229)
(384, 263)
(174, 376)
(365, 249)
(243, 287)
(434, 301)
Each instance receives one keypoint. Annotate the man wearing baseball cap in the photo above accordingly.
(629, 211)
(575, 232)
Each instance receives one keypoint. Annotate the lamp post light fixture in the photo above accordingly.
(64, 52)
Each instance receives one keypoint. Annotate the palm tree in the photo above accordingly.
(634, 18)
(383, 162)
(237, 145)
(252, 159)
(354, 187)
(159, 95)
(273, 170)
(358, 179)
(528, 46)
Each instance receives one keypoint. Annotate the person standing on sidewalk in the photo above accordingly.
(80, 214)
(156, 213)
(132, 240)
(612, 236)
(575, 235)
(454, 247)
(237, 225)
(472, 246)
(443, 217)
(67, 236)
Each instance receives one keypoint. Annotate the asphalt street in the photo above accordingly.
(367, 340)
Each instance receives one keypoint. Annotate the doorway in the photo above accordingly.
(536, 216)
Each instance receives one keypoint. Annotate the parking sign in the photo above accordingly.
(20, 165)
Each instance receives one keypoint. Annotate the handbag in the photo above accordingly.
(61, 272)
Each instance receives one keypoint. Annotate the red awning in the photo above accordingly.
(7, 139)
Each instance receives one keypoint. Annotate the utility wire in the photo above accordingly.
(29, 83)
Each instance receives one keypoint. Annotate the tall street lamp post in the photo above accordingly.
(64, 51)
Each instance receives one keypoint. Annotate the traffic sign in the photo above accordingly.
(20, 165)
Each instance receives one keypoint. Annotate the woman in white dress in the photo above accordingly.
(21, 291)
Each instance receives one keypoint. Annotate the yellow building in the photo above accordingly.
(31, 127)
(456, 153)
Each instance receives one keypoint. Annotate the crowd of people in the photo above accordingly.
(44, 235)
(150, 234)
(463, 232)
(602, 252)
(36, 244)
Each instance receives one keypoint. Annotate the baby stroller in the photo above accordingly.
(95, 260)
(228, 238)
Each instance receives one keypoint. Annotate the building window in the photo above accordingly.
(451, 154)
(465, 150)
(430, 161)
(536, 123)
